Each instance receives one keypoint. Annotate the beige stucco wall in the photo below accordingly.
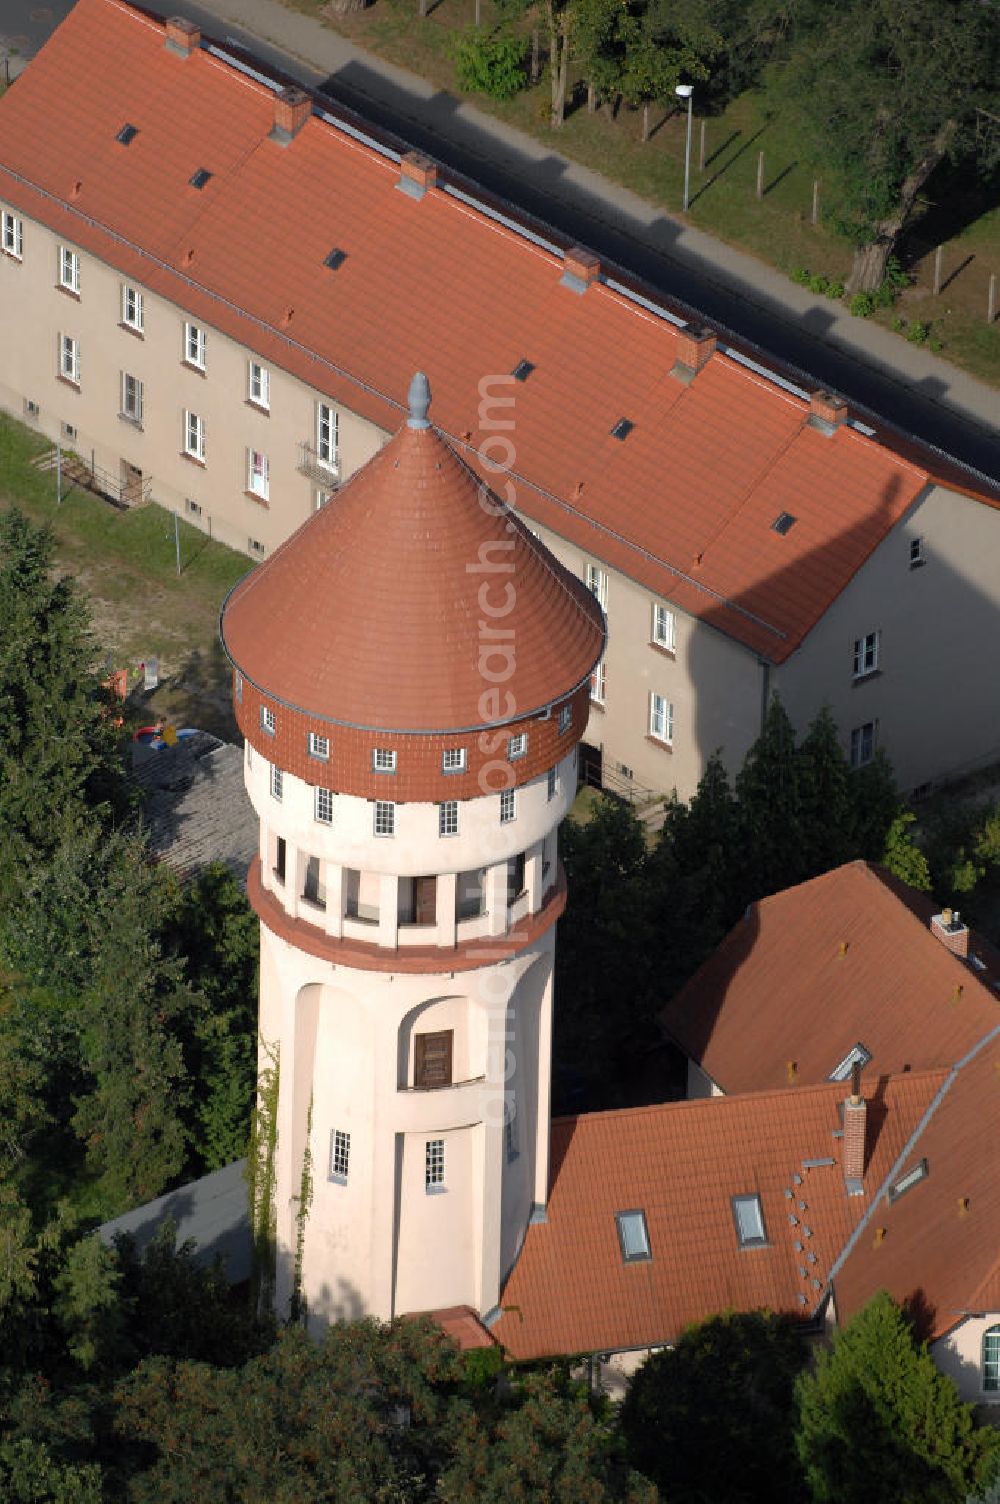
(714, 685)
(36, 312)
(936, 696)
(959, 1354)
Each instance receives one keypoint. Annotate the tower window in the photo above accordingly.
(434, 1164)
(238, 682)
(510, 1133)
(517, 746)
(319, 746)
(565, 718)
(432, 1059)
(324, 806)
(508, 806)
(453, 760)
(340, 1155)
(277, 783)
(448, 818)
(385, 817)
(383, 760)
(267, 721)
(551, 783)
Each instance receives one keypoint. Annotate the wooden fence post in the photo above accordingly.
(991, 300)
(701, 146)
(760, 174)
(937, 269)
(815, 207)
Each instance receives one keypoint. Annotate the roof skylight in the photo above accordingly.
(783, 523)
(748, 1214)
(127, 134)
(200, 178)
(633, 1235)
(907, 1182)
(857, 1054)
(522, 370)
(336, 258)
(622, 429)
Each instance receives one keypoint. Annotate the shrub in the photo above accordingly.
(862, 305)
(835, 289)
(800, 275)
(818, 284)
(898, 325)
(917, 333)
(491, 64)
(935, 345)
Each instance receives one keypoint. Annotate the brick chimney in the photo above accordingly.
(182, 36)
(950, 930)
(826, 412)
(292, 108)
(580, 268)
(855, 1124)
(417, 173)
(695, 348)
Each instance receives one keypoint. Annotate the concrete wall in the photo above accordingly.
(959, 1354)
(936, 694)
(36, 312)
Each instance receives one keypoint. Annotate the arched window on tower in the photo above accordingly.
(991, 1358)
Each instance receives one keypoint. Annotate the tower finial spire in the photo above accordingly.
(419, 398)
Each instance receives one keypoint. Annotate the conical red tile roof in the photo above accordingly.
(374, 613)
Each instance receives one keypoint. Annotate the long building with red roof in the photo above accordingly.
(215, 291)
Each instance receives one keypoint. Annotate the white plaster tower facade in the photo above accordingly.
(411, 676)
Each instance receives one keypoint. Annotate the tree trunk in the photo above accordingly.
(558, 65)
(868, 271)
(645, 121)
(422, 9)
(591, 99)
(345, 7)
(536, 61)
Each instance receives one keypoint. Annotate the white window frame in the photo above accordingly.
(133, 398)
(991, 1359)
(383, 760)
(448, 818)
(565, 718)
(340, 1155)
(661, 719)
(277, 782)
(323, 806)
(859, 743)
(258, 474)
(663, 630)
(268, 724)
(194, 436)
(133, 316)
(453, 760)
(597, 584)
(857, 1054)
(319, 746)
(508, 806)
(517, 746)
(384, 818)
(69, 269)
(866, 654)
(69, 358)
(327, 436)
(259, 385)
(434, 1165)
(599, 683)
(907, 1182)
(195, 346)
(13, 236)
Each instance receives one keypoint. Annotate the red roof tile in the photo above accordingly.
(374, 613)
(847, 958)
(571, 1291)
(684, 505)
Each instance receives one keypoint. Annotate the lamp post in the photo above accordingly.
(685, 91)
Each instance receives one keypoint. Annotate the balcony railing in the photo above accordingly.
(325, 472)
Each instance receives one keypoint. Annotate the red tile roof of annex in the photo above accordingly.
(375, 612)
(780, 991)
(685, 505)
(681, 1163)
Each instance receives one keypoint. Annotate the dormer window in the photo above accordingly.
(633, 1236)
(453, 760)
(565, 718)
(267, 721)
(748, 1215)
(383, 760)
(319, 746)
(517, 746)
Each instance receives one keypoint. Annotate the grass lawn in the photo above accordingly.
(776, 228)
(125, 562)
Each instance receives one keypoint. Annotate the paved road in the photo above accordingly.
(896, 383)
(24, 26)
